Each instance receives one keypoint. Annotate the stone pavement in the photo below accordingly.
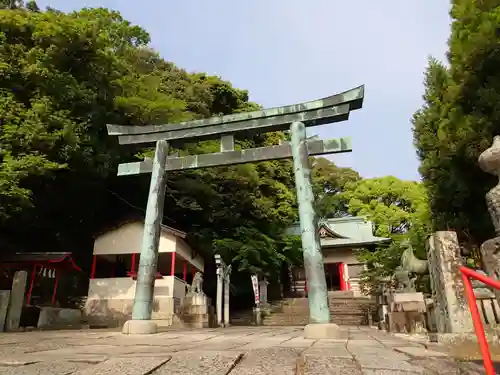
(234, 351)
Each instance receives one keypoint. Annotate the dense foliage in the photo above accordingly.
(63, 77)
(458, 120)
(398, 210)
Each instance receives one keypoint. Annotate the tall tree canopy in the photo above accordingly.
(398, 210)
(64, 76)
(328, 182)
(458, 120)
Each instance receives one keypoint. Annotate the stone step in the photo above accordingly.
(299, 321)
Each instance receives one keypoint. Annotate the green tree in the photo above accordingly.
(398, 210)
(64, 77)
(458, 120)
(328, 182)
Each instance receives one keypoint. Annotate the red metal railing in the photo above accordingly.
(467, 274)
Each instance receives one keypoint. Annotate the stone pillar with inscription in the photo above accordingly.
(16, 301)
(227, 291)
(489, 161)
(223, 291)
(219, 296)
(452, 313)
(263, 292)
(4, 305)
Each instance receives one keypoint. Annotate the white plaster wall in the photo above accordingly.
(124, 240)
(124, 288)
(127, 240)
(339, 255)
(167, 242)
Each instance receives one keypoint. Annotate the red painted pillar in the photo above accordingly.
(32, 282)
(132, 266)
(94, 262)
(341, 276)
(56, 283)
(184, 271)
(172, 269)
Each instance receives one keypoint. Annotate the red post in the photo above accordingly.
(132, 267)
(172, 269)
(32, 282)
(185, 270)
(476, 318)
(56, 283)
(341, 276)
(94, 262)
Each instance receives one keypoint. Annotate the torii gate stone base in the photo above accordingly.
(294, 118)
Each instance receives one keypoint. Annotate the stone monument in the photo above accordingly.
(223, 290)
(4, 305)
(16, 301)
(451, 312)
(489, 161)
(196, 311)
(263, 292)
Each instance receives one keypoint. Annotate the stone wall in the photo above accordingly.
(115, 312)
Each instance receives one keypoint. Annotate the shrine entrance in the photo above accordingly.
(333, 276)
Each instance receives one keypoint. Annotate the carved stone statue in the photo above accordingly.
(197, 284)
(489, 161)
(409, 265)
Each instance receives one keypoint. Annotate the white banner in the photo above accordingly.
(255, 285)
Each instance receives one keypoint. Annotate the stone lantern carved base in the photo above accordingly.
(489, 161)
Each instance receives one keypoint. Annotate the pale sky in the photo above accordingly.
(289, 51)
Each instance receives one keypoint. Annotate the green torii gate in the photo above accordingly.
(296, 118)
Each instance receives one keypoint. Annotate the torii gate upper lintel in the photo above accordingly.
(296, 118)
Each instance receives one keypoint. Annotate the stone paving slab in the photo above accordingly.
(233, 351)
(312, 365)
(389, 372)
(125, 366)
(297, 342)
(198, 363)
(45, 368)
(393, 362)
(261, 344)
(334, 352)
(420, 352)
(276, 361)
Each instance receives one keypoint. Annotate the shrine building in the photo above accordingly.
(113, 275)
(339, 238)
